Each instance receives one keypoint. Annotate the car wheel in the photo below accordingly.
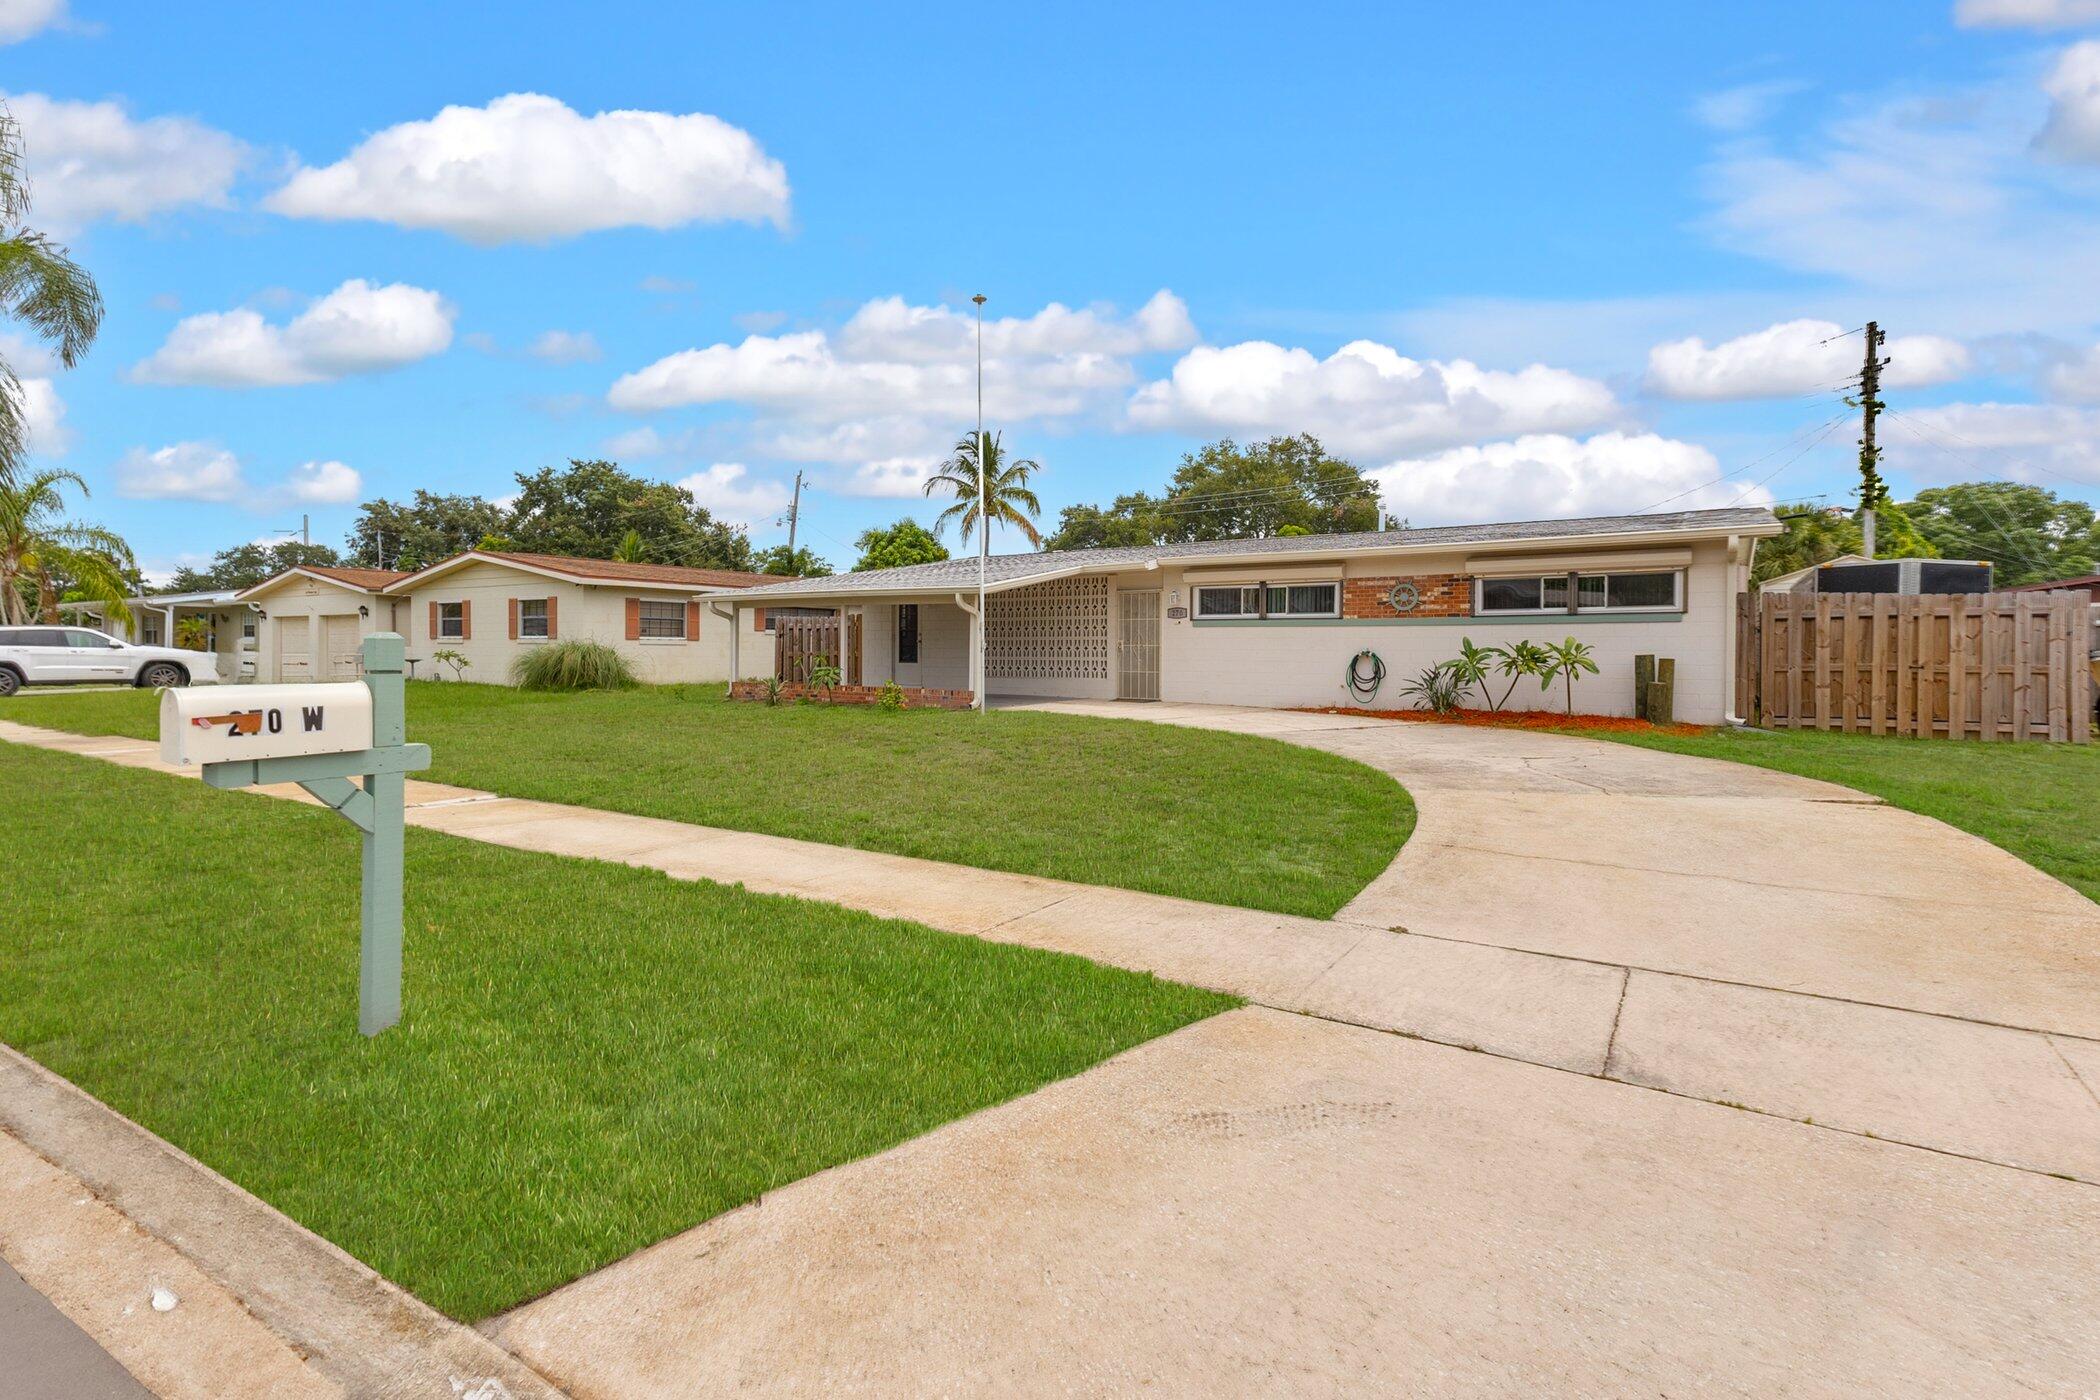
(10, 681)
(162, 673)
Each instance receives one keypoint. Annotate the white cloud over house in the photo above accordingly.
(1550, 476)
(2072, 132)
(528, 168)
(2051, 444)
(358, 328)
(2026, 14)
(43, 415)
(1794, 358)
(89, 161)
(21, 19)
(205, 471)
(731, 493)
(1366, 399)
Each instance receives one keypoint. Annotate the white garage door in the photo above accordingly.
(342, 647)
(294, 650)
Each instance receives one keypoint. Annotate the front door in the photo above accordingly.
(1137, 645)
(294, 650)
(343, 658)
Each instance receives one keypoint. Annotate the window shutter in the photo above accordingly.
(514, 619)
(433, 620)
(758, 619)
(634, 619)
(466, 620)
(551, 600)
(692, 619)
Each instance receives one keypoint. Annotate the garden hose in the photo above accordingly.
(1363, 684)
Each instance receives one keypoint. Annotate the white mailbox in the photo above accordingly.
(223, 723)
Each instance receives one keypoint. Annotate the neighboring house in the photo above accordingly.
(1276, 621)
(309, 623)
(490, 607)
(154, 617)
(1804, 580)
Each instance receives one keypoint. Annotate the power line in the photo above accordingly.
(1736, 471)
(1828, 429)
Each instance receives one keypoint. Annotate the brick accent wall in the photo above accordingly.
(915, 697)
(1442, 595)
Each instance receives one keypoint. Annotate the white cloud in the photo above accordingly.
(92, 160)
(889, 477)
(527, 167)
(2076, 379)
(356, 329)
(323, 484)
(566, 347)
(759, 322)
(1366, 399)
(2026, 14)
(1795, 357)
(1551, 476)
(890, 329)
(19, 19)
(185, 471)
(2050, 445)
(205, 471)
(732, 494)
(2073, 87)
(1740, 108)
(43, 418)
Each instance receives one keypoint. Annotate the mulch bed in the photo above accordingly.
(1517, 719)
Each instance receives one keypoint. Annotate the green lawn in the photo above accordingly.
(2039, 801)
(593, 1057)
(1224, 818)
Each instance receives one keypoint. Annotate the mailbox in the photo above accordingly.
(223, 724)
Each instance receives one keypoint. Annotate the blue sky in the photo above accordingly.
(1520, 260)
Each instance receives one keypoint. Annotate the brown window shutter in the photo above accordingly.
(466, 620)
(433, 620)
(551, 601)
(634, 619)
(514, 619)
(692, 619)
(758, 619)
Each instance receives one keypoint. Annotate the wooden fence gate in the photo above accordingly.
(799, 641)
(1988, 666)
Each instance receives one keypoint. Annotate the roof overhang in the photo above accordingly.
(297, 572)
(1620, 541)
(460, 561)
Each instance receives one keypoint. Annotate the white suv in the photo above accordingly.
(77, 656)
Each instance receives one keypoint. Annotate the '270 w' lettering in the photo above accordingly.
(245, 722)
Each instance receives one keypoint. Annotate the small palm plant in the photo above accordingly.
(1470, 669)
(1007, 497)
(823, 675)
(1435, 690)
(1521, 659)
(1567, 658)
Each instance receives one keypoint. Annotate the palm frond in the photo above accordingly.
(14, 178)
(42, 285)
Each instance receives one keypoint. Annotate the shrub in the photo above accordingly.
(892, 697)
(572, 666)
(1436, 689)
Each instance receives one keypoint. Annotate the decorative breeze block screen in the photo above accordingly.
(1054, 630)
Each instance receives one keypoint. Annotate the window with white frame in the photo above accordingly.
(532, 617)
(1277, 601)
(452, 621)
(1648, 590)
(663, 621)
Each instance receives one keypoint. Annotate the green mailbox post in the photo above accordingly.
(321, 737)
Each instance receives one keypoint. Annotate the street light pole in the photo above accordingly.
(984, 523)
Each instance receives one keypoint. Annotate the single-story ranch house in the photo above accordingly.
(1277, 621)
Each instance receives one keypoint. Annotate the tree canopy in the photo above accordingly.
(1228, 492)
(799, 562)
(391, 535)
(246, 565)
(1817, 534)
(2028, 532)
(41, 287)
(1008, 499)
(906, 542)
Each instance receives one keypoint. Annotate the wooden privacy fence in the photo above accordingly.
(799, 641)
(1988, 666)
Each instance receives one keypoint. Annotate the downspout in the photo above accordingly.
(964, 601)
(735, 669)
(1728, 625)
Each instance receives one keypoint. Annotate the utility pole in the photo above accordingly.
(1871, 490)
(984, 523)
(794, 515)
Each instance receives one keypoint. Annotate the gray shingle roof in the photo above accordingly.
(1013, 568)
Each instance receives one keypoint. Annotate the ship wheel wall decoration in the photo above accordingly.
(1403, 596)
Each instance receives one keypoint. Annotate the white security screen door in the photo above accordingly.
(1137, 645)
(344, 663)
(294, 654)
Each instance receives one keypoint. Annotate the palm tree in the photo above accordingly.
(40, 285)
(1007, 497)
(40, 553)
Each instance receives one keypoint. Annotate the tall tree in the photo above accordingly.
(1817, 534)
(798, 562)
(906, 542)
(246, 565)
(40, 286)
(390, 535)
(44, 558)
(587, 508)
(2028, 533)
(1007, 497)
(1228, 492)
